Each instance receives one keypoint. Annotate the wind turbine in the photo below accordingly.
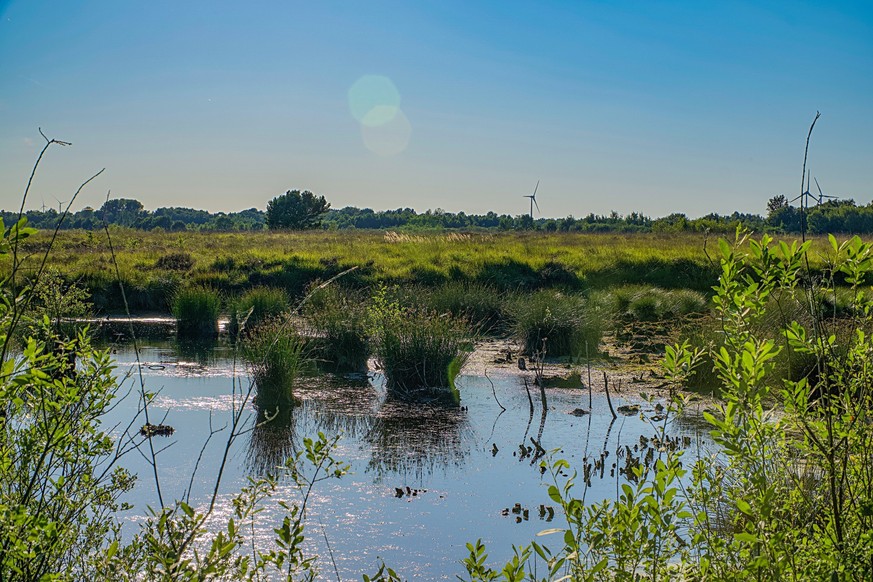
(533, 199)
(821, 195)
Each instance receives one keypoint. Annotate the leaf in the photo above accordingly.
(746, 537)
(550, 531)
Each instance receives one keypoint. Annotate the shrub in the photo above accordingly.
(196, 310)
(180, 261)
(255, 306)
(562, 323)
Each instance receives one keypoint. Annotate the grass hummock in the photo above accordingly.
(275, 354)
(339, 320)
(417, 348)
(196, 310)
(254, 306)
(555, 324)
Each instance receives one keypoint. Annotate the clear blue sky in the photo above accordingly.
(655, 107)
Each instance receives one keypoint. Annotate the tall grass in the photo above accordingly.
(196, 310)
(417, 348)
(254, 306)
(561, 324)
(339, 319)
(482, 306)
(275, 354)
(646, 303)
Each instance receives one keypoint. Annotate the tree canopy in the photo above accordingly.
(296, 210)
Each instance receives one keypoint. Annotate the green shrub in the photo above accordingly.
(275, 354)
(339, 319)
(196, 310)
(561, 323)
(255, 306)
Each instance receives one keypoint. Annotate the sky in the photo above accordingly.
(653, 107)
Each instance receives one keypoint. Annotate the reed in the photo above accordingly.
(418, 348)
(196, 310)
(254, 306)
(275, 354)
(556, 323)
(339, 320)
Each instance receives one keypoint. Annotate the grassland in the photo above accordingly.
(154, 266)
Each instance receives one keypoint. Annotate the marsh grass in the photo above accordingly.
(648, 304)
(417, 348)
(196, 310)
(482, 306)
(789, 364)
(235, 262)
(339, 320)
(255, 306)
(559, 324)
(275, 354)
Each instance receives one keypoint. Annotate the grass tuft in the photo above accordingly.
(339, 319)
(418, 348)
(275, 354)
(196, 310)
(561, 323)
(254, 306)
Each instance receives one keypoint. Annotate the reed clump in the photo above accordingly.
(417, 348)
(556, 323)
(275, 354)
(339, 321)
(254, 306)
(196, 310)
(481, 305)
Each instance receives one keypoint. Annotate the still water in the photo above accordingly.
(465, 460)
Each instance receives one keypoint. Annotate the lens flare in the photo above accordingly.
(388, 139)
(374, 100)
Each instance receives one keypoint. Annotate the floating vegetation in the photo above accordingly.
(149, 430)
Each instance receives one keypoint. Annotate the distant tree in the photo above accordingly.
(776, 204)
(122, 211)
(296, 210)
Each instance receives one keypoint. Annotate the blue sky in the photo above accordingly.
(656, 107)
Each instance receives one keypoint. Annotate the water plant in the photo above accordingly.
(561, 324)
(415, 347)
(254, 306)
(196, 310)
(479, 304)
(339, 319)
(275, 354)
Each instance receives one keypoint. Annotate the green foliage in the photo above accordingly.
(275, 355)
(479, 304)
(556, 324)
(789, 496)
(417, 348)
(339, 318)
(255, 306)
(59, 488)
(296, 210)
(196, 310)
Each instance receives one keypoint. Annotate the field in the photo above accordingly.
(153, 266)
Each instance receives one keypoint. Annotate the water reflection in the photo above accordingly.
(415, 437)
(332, 404)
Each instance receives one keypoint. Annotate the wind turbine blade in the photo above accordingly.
(535, 203)
(535, 189)
(817, 186)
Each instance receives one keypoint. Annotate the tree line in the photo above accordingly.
(298, 210)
